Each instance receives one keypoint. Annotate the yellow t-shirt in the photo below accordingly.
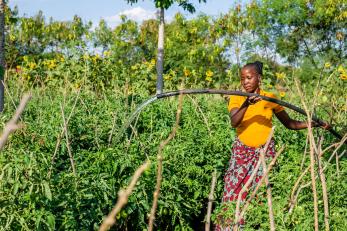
(256, 124)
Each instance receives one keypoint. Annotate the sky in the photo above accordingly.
(110, 10)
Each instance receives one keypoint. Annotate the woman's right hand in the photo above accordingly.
(252, 100)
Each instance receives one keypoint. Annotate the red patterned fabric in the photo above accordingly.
(241, 165)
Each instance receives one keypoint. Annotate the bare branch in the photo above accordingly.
(324, 188)
(202, 114)
(123, 196)
(247, 203)
(160, 163)
(313, 149)
(269, 196)
(67, 141)
(60, 136)
(210, 200)
(11, 125)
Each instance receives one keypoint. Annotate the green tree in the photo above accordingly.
(163, 5)
(300, 29)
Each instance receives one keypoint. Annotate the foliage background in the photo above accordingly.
(101, 75)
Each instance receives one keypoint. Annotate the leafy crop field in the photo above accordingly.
(63, 167)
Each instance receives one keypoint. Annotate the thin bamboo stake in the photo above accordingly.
(269, 196)
(12, 125)
(60, 136)
(68, 141)
(305, 152)
(313, 148)
(313, 179)
(324, 189)
(123, 196)
(294, 195)
(337, 165)
(8, 93)
(202, 114)
(160, 164)
(210, 201)
(272, 163)
(296, 185)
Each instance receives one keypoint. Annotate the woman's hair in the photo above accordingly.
(257, 65)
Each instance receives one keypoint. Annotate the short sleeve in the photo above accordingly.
(277, 108)
(234, 102)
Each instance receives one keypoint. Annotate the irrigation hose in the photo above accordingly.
(240, 93)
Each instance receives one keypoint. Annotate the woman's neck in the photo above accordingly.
(257, 91)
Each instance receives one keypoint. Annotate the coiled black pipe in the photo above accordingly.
(240, 93)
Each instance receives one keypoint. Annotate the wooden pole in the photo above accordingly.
(2, 53)
(160, 55)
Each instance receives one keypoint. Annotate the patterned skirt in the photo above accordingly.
(241, 165)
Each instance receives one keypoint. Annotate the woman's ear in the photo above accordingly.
(259, 78)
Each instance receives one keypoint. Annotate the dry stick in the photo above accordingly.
(304, 157)
(309, 183)
(210, 200)
(269, 196)
(202, 113)
(247, 203)
(337, 165)
(312, 160)
(338, 147)
(331, 146)
(67, 141)
(237, 211)
(60, 136)
(11, 125)
(324, 189)
(249, 181)
(137, 136)
(293, 194)
(123, 196)
(160, 164)
(313, 178)
(8, 93)
(133, 132)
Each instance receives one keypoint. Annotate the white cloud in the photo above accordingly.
(137, 14)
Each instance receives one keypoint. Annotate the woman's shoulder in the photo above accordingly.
(268, 94)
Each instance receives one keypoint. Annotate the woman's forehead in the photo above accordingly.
(249, 70)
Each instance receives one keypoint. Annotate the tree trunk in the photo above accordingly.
(160, 55)
(2, 52)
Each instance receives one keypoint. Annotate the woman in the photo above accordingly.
(252, 118)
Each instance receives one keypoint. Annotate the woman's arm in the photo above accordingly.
(294, 124)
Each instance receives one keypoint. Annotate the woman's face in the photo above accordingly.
(250, 79)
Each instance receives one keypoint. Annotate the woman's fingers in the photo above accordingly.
(326, 126)
(253, 99)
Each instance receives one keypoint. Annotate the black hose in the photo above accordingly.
(240, 93)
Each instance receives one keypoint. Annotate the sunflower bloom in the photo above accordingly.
(209, 73)
(327, 65)
(341, 69)
(280, 75)
(186, 72)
